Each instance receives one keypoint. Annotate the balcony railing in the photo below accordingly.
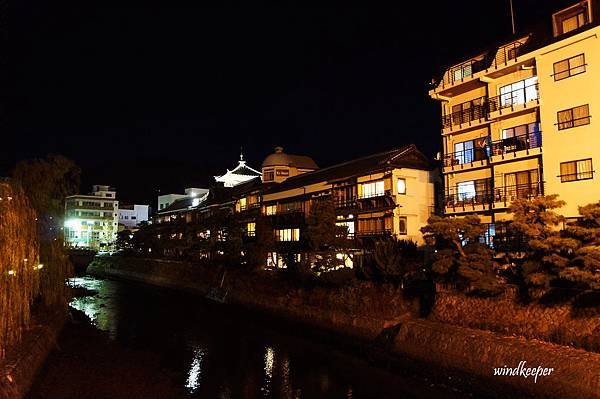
(466, 156)
(475, 113)
(506, 53)
(345, 203)
(460, 72)
(462, 200)
(517, 143)
(514, 97)
(375, 195)
(508, 194)
(371, 233)
(249, 206)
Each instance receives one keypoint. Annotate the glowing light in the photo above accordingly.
(25, 260)
(72, 224)
(12, 273)
(195, 373)
(40, 266)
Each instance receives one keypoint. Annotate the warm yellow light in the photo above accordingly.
(12, 272)
(40, 266)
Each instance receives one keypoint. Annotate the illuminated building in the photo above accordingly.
(240, 174)
(130, 216)
(165, 200)
(516, 120)
(91, 221)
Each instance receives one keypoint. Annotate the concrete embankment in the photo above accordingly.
(22, 363)
(363, 310)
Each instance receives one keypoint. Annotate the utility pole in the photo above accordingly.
(512, 16)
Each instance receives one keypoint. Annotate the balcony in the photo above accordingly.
(460, 73)
(466, 159)
(249, 207)
(503, 196)
(507, 53)
(376, 202)
(469, 117)
(346, 203)
(515, 99)
(516, 146)
(468, 201)
(374, 233)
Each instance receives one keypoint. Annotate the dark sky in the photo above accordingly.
(148, 98)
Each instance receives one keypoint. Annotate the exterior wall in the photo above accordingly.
(131, 218)
(165, 200)
(91, 221)
(571, 144)
(578, 142)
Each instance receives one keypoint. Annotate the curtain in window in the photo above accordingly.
(565, 119)
(510, 183)
(561, 70)
(584, 169)
(581, 115)
(570, 24)
(568, 171)
(577, 64)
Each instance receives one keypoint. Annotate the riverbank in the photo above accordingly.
(23, 361)
(370, 313)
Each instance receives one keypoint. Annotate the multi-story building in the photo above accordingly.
(516, 119)
(91, 221)
(165, 200)
(130, 216)
(389, 194)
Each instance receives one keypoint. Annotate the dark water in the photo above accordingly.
(206, 350)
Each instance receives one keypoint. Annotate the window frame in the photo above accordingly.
(577, 173)
(562, 125)
(569, 68)
(398, 187)
(400, 231)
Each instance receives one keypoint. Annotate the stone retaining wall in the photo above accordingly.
(443, 346)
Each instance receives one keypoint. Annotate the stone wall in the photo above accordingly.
(561, 324)
(362, 311)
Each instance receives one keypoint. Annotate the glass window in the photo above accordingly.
(569, 67)
(373, 189)
(287, 234)
(573, 117)
(576, 170)
(402, 228)
(268, 175)
(270, 210)
(401, 186)
(466, 190)
(251, 229)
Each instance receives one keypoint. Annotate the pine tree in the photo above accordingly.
(460, 256)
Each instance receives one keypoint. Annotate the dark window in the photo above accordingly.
(569, 67)
(402, 229)
(269, 175)
(573, 117)
(576, 170)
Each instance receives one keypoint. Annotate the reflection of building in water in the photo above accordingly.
(195, 373)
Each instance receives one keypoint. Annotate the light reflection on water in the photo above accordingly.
(212, 352)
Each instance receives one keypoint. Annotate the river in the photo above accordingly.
(142, 342)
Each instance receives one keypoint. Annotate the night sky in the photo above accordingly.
(146, 99)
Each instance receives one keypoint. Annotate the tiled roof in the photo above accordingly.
(406, 156)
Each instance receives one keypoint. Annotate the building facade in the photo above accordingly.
(91, 221)
(516, 120)
(165, 200)
(389, 194)
(130, 216)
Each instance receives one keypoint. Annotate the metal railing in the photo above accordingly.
(460, 72)
(466, 156)
(461, 200)
(345, 203)
(507, 53)
(517, 143)
(375, 195)
(474, 113)
(249, 206)
(378, 232)
(508, 194)
(514, 97)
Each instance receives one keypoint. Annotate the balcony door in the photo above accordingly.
(523, 184)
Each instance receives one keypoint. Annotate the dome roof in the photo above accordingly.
(280, 158)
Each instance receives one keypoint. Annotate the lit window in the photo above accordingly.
(251, 229)
(466, 190)
(270, 210)
(287, 234)
(374, 189)
(349, 226)
(573, 117)
(576, 170)
(571, 19)
(519, 92)
(569, 67)
(402, 229)
(401, 186)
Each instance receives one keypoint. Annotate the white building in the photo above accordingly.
(240, 174)
(91, 221)
(164, 201)
(130, 216)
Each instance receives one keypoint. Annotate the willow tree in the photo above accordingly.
(19, 263)
(46, 183)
